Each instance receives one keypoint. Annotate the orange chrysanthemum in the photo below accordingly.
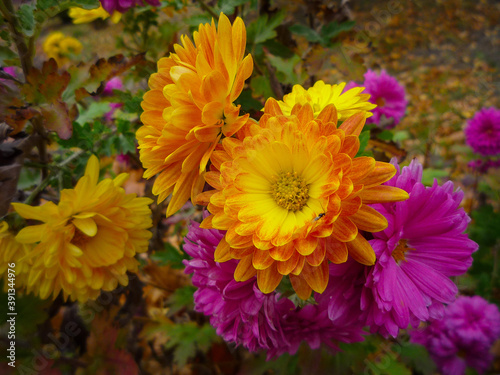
(88, 241)
(293, 196)
(190, 106)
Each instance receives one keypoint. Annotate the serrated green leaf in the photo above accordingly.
(333, 29)
(308, 33)
(181, 298)
(261, 86)
(26, 18)
(286, 69)
(248, 102)
(95, 110)
(264, 28)
(228, 6)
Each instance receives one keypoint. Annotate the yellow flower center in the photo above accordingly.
(399, 252)
(380, 102)
(79, 238)
(290, 191)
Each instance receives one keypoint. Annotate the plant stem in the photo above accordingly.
(25, 53)
(37, 190)
(208, 9)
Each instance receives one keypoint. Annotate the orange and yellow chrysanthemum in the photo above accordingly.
(88, 241)
(320, 95)
(190, 106)
(292, 197)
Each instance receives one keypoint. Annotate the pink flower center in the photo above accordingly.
(399, 252)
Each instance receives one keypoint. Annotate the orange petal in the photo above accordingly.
(361, 251)
(380, 174)
(350, 146)
(336, 251)
(289, 265)
(307, 245)
(268, 279)
(382, 194)
(207, 222)
(282, 253)
(301, 287)
(244, 270)
(316, 277)
(369, 219)
(328, 114)
(222, 252)
(272, 107)
(344, 229)
(300, 265)
(361, 167)
(261, 259)
(318, 255)
(354, 124)
(351, 206)
(240, 253)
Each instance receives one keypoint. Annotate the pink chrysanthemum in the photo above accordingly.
(124, 5)
(483, 132)
(422, 246)
(387, 93)
(463, 337)
(242, 314)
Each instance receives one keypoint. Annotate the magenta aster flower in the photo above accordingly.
(242, 314)
(483, 132)
(482, 166)
(423, 245)
(124, 5)
(114, 83)
(387, 93)
(463, 337)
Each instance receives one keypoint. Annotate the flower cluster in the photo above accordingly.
(88, 241)
(389, 96)
(61, 47)
(463, 336)
(123, 5)
(80, 15)
(292, 206)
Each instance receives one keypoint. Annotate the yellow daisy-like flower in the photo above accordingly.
(11, 251)
(190, 106)
(80, 15)
(88, 241)
(321, 95)
(59, 47)
(293, 197)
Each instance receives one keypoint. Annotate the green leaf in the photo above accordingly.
(228, 6)
(170, 256)
(261, 86)
(95, 110)
(181, 298)
(186, 338)
(333, 29)
(264, 28)
(385, 135)
(248, 102)
(26, 19)
(430, 174)
(7, 56)
(418, 358)
(308, 33)
(277, 49)
(364, 137)
(286, 69)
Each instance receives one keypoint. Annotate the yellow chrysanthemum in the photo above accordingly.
(293, 196)
(59, 47)
(80, 15)
(321, 95)
(190, 106)
(12, 251)
(88, 241)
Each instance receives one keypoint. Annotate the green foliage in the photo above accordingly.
(364, 137)
(264, 28)
(287, 70)
(26, 18)
(429, 174)
(170, 256)
(187, 338)
(326, 33)
(182, 298)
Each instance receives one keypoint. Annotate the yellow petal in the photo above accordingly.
(244, 270)
(222, 253)
(316, 277)
(31, 234)
(369, 219)
(86, 226)
(382, 194)
(301, 287)
(261, 259)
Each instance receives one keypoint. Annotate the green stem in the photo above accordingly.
(38, 190)
(25, 53)
(208, 9)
